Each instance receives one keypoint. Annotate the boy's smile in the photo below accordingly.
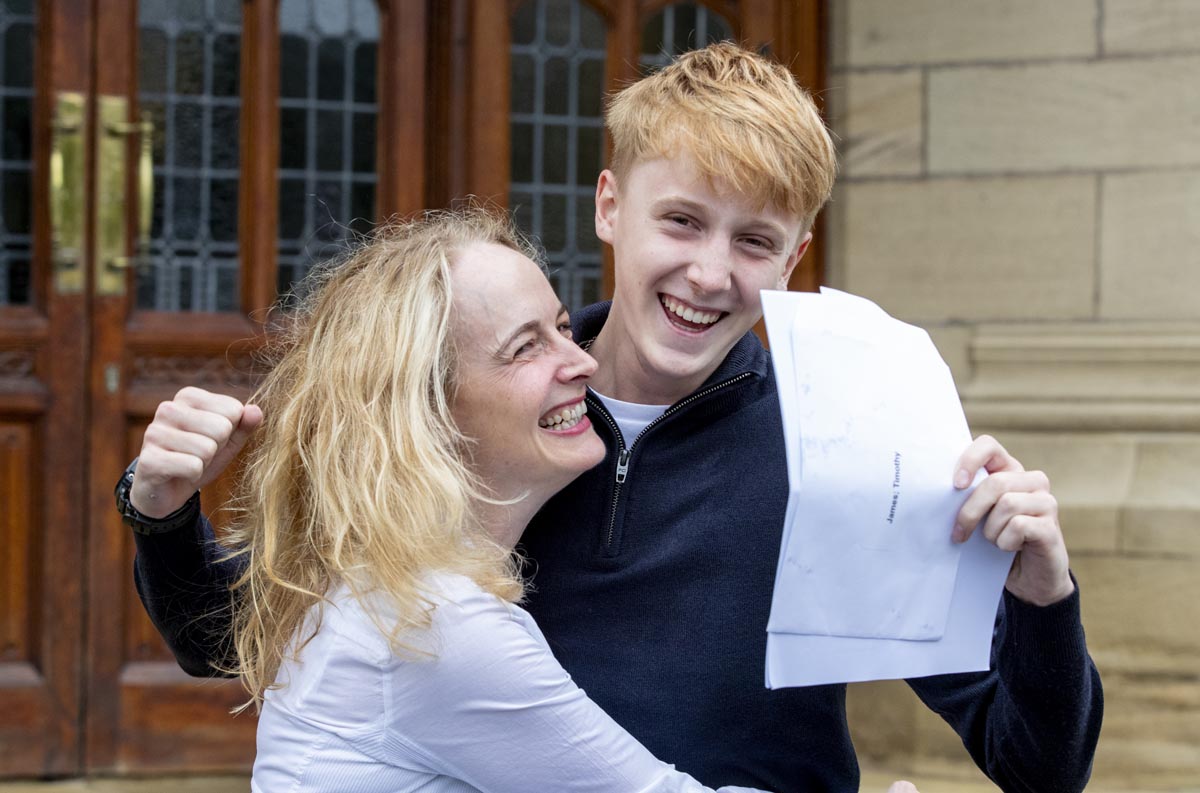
(687, 316)
(691, 257)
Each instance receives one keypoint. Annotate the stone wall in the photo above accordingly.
(1022, 178)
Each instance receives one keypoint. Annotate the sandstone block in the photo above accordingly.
(1142, 615)
(1150, 245)
(1109, 376)
(877, 117)
(1163, 512)
(971, 249)
(1151, 734)
(877, 32)
(1141, 26)
(1064, 116)
(881, 715)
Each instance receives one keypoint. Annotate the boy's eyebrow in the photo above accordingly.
(678, 200)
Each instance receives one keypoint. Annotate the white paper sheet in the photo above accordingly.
(869, 585)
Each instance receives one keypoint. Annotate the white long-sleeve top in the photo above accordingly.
(491, 710)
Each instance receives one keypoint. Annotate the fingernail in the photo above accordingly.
(961, 479)
(957, 534)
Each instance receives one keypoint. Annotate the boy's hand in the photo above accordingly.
(191, 440)
(1021, 515)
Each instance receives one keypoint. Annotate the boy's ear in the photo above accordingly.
(606, 205)
(794, 259)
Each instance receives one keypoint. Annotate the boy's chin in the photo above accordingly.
(675, 366)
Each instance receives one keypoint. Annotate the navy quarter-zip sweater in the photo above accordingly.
(652, 577)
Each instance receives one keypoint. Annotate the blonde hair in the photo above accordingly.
(744, 119)
(360, 476)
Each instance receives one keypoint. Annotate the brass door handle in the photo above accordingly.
(144, 129)
(66, 192)
(112, 202)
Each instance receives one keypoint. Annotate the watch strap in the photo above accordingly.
(144, 524)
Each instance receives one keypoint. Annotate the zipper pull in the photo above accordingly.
(622, 465)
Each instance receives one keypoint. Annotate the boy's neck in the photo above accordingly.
(624, 376)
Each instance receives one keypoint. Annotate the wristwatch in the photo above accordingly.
(143, 524)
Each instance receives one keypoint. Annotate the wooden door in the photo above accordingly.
(43, 354)
(168, 168)
(279, 129)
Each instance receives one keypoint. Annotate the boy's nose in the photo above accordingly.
(709, 271)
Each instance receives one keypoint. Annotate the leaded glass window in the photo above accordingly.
(189, 55)
(327, 111)
(678, 28)
(556, 117)
(16, 166)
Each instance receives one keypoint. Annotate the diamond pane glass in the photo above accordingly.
(189, 56)
(678, 28)
(16, 166)
(327, 136)
(557, 52)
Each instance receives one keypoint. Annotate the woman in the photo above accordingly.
(428, 400)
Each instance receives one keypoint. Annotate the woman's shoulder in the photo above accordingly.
(455, 607)
(462, 612)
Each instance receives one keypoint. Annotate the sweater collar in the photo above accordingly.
(747, 355)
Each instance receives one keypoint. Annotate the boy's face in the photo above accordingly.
(690, 258)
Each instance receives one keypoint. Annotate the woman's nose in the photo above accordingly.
(576, 363)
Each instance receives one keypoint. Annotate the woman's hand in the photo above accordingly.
(902, 787)
(189, 443)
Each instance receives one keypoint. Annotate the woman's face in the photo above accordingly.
(521, 380)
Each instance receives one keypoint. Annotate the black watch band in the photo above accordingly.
(143, 524)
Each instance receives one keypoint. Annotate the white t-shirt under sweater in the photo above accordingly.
(631, 417)
(492, 711)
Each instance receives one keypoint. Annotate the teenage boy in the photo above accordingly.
(653, 572)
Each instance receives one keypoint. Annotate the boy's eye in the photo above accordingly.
(760, 243)
(680, 220)
(565, 329)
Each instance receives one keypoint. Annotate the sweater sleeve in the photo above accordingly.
(496, 710)
(183, 582)
(1031, 723)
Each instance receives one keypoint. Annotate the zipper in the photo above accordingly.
(624, 454)
(623, 465)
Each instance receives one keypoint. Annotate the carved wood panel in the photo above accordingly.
(15, 365)
(24, 719)
(18, 543)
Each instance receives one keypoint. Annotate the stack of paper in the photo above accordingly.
(869, 584)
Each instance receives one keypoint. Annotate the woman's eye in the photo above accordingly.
(525, 349)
